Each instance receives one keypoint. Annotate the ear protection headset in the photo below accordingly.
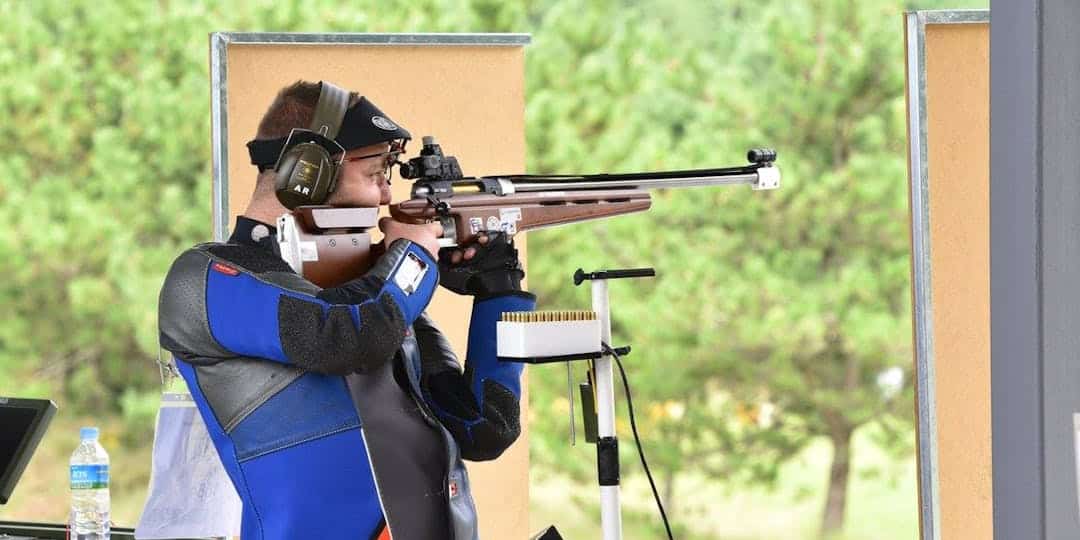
(305, 172)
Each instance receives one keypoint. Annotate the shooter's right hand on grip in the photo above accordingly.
(424, 235)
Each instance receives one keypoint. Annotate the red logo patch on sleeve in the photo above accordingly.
(225, 269)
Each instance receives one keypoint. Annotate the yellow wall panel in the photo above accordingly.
(957, 184)
(472, 99)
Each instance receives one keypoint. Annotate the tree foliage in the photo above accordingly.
(772, 316)
(775, 317)
(105, 144)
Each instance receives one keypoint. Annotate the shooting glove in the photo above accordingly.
(494, 270)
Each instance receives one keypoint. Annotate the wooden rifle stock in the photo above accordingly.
(519, 212)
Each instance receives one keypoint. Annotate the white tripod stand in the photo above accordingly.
(607, 444)
(564, 336)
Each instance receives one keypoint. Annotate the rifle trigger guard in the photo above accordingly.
(442, 208)
(449, 237)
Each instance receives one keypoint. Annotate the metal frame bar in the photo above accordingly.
(219, 77)
(1034, 256)
(917, 21)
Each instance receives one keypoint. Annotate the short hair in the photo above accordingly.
(294, 107)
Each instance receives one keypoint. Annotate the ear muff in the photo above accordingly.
(305, 173)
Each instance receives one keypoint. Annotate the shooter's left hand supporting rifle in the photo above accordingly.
(469, 206)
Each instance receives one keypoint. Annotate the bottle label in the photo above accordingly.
(89, 476)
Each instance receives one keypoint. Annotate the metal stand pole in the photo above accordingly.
(607, 447)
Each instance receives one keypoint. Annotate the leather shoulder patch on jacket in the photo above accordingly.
(253, 259)
(182, 319)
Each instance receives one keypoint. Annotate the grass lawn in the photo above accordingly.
(882, 501)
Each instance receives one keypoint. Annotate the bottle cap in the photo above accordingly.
(88, 433)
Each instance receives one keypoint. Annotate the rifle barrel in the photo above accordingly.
(652, 183)
(757, 176)
(760, 177)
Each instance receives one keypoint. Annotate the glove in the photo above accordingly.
(494, 270)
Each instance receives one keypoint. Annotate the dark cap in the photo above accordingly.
(364, 125)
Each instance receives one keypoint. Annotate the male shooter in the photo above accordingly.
(342, 412)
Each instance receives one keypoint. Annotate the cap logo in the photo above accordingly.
(383, 123)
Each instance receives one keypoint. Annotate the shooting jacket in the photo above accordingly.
(338, 413)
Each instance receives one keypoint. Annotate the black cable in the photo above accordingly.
(637, 439)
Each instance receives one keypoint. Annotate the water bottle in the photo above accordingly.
(89, 488)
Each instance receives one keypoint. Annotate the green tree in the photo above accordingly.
(774, 314)
(106, 152)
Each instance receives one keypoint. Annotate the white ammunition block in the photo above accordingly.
(547, 338)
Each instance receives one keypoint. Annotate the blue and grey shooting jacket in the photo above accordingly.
(338, 413)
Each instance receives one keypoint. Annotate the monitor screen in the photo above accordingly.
(22, 424)
(16, 422)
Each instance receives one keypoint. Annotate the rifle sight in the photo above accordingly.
(431, 164)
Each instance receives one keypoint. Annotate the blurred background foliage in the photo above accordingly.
(772, 354)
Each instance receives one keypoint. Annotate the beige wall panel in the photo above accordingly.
(472, 99)
(958, 142)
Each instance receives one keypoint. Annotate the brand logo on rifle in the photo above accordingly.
(383, 123)
(227, 270)
(509, 218)
(476, 224)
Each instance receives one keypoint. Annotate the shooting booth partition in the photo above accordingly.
(948, 82)
(466, 89)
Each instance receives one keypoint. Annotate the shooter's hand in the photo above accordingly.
(426, 235)
(457, 255)
(489, 267)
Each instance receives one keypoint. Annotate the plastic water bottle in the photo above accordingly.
(89, 488)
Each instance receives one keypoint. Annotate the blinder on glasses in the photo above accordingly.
(390, 156)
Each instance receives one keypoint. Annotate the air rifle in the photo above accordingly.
(468, 206)
(329, 246)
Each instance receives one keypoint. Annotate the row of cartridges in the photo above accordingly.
(548, 316)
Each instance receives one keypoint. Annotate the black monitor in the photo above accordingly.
(22, 424)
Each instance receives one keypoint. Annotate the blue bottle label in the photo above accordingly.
(89, 476)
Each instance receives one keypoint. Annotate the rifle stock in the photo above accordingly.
(470, 215)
